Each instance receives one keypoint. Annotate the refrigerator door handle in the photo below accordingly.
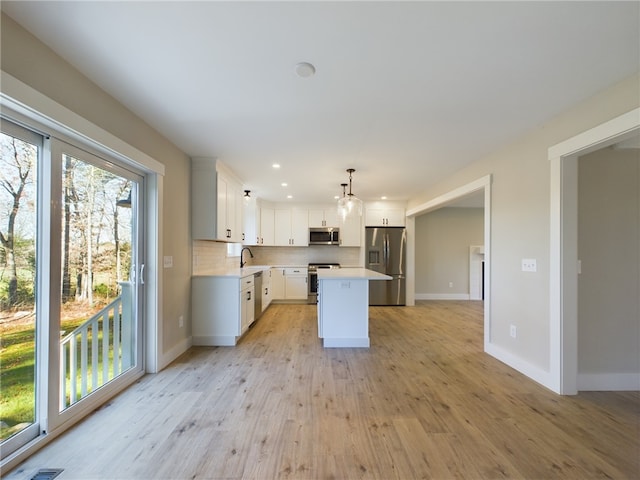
(386, 252)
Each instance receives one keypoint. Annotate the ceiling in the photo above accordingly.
(405, 93)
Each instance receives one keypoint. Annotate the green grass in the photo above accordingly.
(17, 375)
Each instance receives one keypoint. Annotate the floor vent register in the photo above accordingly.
(47, 473)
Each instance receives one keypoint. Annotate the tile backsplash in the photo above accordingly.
(209, 256)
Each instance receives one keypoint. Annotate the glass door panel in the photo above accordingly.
(19, 154)
(98, 314)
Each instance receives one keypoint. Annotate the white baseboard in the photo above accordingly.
(608, 382)
(174, 352)
(215, 340)
(345, 342)
(534, 372)
(442, 296)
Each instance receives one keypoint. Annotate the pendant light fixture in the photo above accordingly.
(349, 204)
(342, 203)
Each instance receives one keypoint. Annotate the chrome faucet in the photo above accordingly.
(242, 264)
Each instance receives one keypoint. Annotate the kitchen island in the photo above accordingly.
(343, 306)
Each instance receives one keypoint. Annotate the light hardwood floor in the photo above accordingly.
(423, 402)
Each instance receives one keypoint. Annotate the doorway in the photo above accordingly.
(481, 186)
(563, 292)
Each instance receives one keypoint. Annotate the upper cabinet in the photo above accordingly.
(291, 227)
(384, 215)
(281, 225)
(216, 202)
(258, 223)
(324, 218)
(351, 231)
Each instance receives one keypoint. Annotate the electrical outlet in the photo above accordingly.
(450, 284)
(529, 265)
(513, 331)
(181, 321)
(168, 261)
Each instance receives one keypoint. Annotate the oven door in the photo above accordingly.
(312, 287)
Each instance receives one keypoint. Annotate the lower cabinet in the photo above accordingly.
(295, 283)
(222, 309)
(267, 292)
(289, 283)
(247, 303)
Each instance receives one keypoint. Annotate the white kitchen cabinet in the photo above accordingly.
(295, 283)
(277, 284)
(251, 220)
(216, 202)
(247, 303)
(258, 224)
(324, 218)
(267, 226)
(222, 308)
(291, 227)
(383, 215)
(267, 293)
(351, 231)
(289, 283)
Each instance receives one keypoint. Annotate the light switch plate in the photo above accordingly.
(529, 265)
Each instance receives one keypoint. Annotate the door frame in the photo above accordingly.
(563, 255)
(481, 184)
(26, 106)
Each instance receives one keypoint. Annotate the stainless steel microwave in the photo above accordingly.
(324, 236)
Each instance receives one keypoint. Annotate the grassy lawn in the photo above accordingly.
(17, 375)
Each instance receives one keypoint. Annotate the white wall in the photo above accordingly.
(609, 250)
(520, 226)
(442, 242)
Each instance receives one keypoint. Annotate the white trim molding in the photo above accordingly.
(482, 183)
(443, 296)
(563, 254)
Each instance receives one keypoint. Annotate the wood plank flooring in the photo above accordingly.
(423, 401)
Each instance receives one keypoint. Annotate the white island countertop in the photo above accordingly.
(350, 274)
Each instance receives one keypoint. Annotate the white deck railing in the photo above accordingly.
(98, 350)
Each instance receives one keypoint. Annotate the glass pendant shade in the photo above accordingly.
(349, 205)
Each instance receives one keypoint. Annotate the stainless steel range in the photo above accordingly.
(312, 293)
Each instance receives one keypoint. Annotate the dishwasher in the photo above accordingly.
(257, 283)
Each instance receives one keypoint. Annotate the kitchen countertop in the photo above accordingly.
(235, 272)
(351, 274)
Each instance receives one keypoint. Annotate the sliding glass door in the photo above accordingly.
(98, 313)
(71, 282)
(21, 152)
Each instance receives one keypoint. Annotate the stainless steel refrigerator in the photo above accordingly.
(385, 253)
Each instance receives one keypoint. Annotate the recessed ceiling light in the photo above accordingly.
(289, 196)
(336, 197)
(284, 184)
(276, 165)
(305, 69)
(383, 197)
